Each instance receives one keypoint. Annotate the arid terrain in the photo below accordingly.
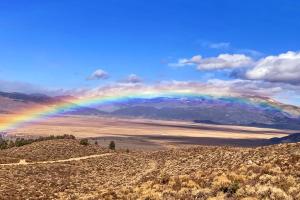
(154, 159)
(201, 172)
(149, 100)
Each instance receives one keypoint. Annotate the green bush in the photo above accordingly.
(3, 144)
(84, 142)
(21, 142)
(112, 145)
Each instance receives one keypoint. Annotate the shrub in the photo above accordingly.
(21, 142)
(84, 142)
(164, 179)
(3, 144)
(65, 136)
(112, 145)
(231, 189)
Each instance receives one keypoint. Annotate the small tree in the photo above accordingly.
(112, 145)
(3, 144)
(84, 142)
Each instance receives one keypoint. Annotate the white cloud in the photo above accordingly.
(196, 59)
(214, 45)
(282, 68)
(222, 61)
(220, 45)
(181, 63)
(98, 74)
(250, 52)
(133, 78)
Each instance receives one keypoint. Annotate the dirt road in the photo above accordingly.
(23, 162)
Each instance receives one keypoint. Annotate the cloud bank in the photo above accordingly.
(282, 68)
(217, 87)
(222, 61)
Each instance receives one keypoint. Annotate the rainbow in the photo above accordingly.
(34, 114)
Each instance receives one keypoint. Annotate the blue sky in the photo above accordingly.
(60, 43)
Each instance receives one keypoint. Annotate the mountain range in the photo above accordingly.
(250, 111)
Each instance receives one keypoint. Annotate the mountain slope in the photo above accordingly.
(254, 112)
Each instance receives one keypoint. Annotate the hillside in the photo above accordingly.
(202, 172)
(49, 150)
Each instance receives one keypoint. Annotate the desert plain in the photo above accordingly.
(145, 133)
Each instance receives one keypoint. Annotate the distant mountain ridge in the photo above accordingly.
(13, 102)
(213, 111)
(38, 98)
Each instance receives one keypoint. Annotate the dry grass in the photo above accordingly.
(195, 173)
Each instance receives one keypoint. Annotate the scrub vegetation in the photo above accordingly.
(202, 172)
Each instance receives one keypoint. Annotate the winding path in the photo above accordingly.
(23, 162)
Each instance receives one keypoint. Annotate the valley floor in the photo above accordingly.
(145, 132)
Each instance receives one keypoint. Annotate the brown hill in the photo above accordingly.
(201, 172)
(49, 150)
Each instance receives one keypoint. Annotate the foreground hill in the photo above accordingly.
(49, 150)
(202, 172)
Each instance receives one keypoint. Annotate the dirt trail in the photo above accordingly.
(23, 162)
(151, 168)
